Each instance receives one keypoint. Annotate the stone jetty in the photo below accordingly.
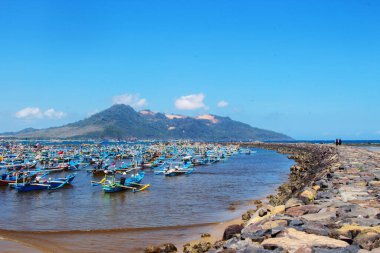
(330, 204)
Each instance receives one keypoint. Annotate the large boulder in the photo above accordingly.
(352, 230)
(257, 235)
(246, 246)
(375, 183)
(354, 211)
(316, 228)
(274, 223)
(292, 240)
(292, 202)
(349, 249)
(372, 222)
(297, 211)
(265, 212)
(368, 240)
(325, 216)
(231, 231)
(308, 195)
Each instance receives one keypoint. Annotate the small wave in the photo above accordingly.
(109, 230)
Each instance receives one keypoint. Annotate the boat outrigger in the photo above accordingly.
(110, 184)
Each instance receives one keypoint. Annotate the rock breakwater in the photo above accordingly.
(330, 204)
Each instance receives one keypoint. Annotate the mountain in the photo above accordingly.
(24, 131)
(123, 122)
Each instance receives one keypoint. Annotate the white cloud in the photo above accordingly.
(222, 103)
(191, 102)
(37, 113)
(53, 114)
(29, 113)
(133, 100)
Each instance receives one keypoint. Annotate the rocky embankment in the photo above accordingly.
(330, 204)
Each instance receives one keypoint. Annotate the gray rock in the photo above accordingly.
(316, 228)
(297, 211)
(230, 243)
(323, 195)
(293, 202)
(362, 222)
(353, 211)
(242, 245)
(319, 216)
(254, 249)
(277, 230)
(296, 223)
(353, 195)
(349, 249)
(257, 236)
(251, 228)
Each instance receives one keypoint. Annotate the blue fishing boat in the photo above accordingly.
(74, 165)
(131, 183)
(44, 185)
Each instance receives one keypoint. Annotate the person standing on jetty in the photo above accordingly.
(338, 142)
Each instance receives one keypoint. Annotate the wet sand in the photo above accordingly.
(108, 240)
(12, 246)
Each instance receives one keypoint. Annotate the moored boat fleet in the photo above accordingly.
(27, 166)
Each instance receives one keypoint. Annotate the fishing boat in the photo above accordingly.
(30, 164)
(7, 179)
(246, 151)
(74, 165)
(101, 168)
(111, 184)
(57, 167)
(16, 177)
(176, 169)
(26, 186)
(198, 161)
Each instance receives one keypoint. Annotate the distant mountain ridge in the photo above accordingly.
(123, 122)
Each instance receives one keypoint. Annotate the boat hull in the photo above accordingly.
(31, 187)
(112, 188)
(6, 182)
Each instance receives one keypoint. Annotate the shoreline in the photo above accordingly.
(66, 239)
(30, 241)
(324, 206)
(329, 203)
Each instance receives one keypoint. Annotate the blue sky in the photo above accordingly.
(310, 69)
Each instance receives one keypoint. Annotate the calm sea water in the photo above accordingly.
(172, 204)
(372, 148)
